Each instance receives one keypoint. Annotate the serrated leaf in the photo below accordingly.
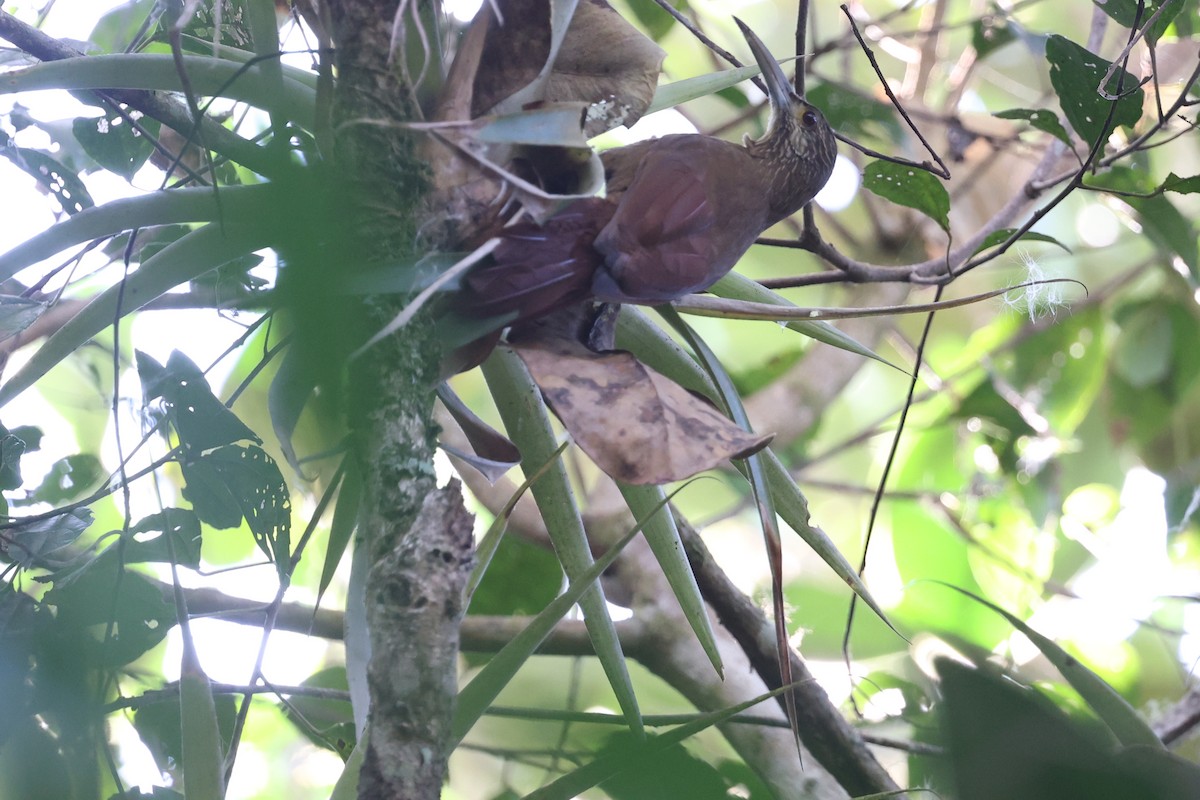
(1041, 119)
(1076, 74)
(910, 187)
(998, 237)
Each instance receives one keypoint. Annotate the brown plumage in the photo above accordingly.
(679, 213)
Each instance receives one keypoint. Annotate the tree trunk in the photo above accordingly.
(418, 538)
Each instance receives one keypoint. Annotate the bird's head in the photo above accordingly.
(797, 134)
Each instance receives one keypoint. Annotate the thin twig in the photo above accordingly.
(944, 171)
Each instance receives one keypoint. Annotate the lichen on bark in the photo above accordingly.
(418, 537)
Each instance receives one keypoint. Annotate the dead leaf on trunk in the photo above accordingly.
(608, 63)
(637, 425)
(603, 61)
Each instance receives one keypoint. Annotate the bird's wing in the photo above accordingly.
(674, 230)
(535, 268)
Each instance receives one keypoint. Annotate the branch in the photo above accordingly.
(824, 731)
(158, 105)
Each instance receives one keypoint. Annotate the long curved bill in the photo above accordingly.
(779, 89)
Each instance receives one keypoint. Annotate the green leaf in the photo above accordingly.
(528, 424)
(998, 237)
(738, 287)
(649, 503)
(1125, 12)
(200, 739)
(208, 76)
(35, 542)
(600, 769)
(1143, 354)
(1041, 119)
(114, 143)
(106, 597)
(991, 32)
(1165, 225)
(1116, 713)
(52, 176)
(18, 313)
(1076, 74)
(178, 262)
(673, 94)
(341, 527)
(12, 447)
(179, 541)
(852, 113)
(1174, 183)
(653, 18)
(67, 479)
(549, 125)
(910, 187)
(201, 420)
(477, 695)
(159, 725)
(235, 481)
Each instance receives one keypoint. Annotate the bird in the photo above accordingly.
(678, 213)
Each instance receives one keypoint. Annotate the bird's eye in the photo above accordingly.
(809, 118)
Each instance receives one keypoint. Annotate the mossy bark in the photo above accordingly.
(418, 537)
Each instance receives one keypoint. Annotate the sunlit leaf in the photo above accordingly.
(910, 187)
(1040, 118)
(1076, 75)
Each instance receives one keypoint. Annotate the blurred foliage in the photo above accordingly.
(1050, 463)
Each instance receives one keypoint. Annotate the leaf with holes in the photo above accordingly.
(1040, 118)
(1076, 75)
(910, 187)
(52, 176)
(233, 482)
(115, 143)
(201, 420)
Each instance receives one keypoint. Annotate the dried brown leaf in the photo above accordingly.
(637, 425)
(607, 63)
